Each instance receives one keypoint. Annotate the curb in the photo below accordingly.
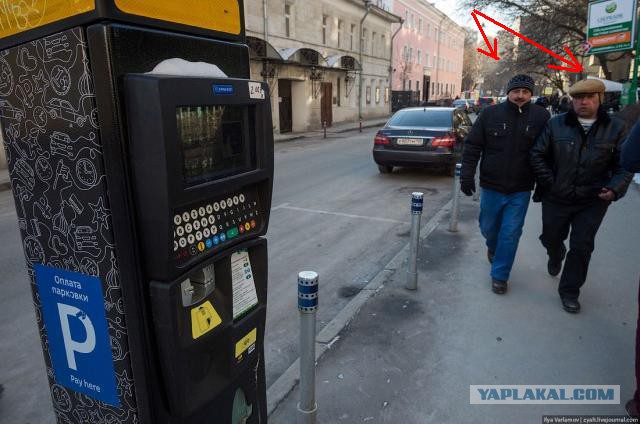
(340, 131)
(280, 389)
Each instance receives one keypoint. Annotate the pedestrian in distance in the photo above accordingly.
(630, 160)
(501, 138)
(576, 160)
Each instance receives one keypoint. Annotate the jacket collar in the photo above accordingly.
(572, 118)
(514, 107)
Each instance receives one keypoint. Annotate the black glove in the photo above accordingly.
(468, 187)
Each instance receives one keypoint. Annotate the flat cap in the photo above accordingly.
(587, 86)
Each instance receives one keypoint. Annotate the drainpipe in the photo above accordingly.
(367, 4)
(264, 15)
(391, 62)
(438, 61)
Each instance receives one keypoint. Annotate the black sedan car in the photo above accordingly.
(422, 137)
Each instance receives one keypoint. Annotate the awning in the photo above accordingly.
(303, 55)
(609, 86)
(261, 49)
(343, 61)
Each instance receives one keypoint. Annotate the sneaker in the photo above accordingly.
(498, 286)
(570, 305)
(554, 266)
(490, 255)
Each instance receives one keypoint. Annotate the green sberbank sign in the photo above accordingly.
(611, 25)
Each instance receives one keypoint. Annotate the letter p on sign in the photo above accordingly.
(72, 346)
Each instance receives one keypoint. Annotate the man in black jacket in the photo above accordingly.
(502, 135)
(576, 160)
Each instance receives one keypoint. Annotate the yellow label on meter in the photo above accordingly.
(219, 15)
(248, 341)
(18, 15)
(204, 318)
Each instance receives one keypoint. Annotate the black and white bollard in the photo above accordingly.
(324, 128)
(416, 214)
(453, 221)
(307, 305)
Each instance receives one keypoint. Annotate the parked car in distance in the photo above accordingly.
(421, 137)
(484, 102)
(468, 105)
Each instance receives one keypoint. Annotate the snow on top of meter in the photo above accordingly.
(177, 66)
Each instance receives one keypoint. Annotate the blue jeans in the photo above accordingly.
(501, 220)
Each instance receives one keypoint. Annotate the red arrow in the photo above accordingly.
(574, 64)
(492, 53)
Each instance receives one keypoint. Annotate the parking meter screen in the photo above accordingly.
(214, 142)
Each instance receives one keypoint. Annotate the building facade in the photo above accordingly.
(430, 49)
(319, 70)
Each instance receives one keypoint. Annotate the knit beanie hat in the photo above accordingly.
(521, 81)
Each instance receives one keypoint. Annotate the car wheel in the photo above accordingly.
(385, 169)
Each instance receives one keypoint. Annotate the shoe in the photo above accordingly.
(490, 255)
(570, 305)
(632, 408)
(555, 266)
(498, 286)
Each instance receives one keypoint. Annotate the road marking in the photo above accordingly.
(346, 215)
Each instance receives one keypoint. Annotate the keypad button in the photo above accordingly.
(216, 206)
(188, 228)
(229, 202)
(204, 222)
(201, 211)
(206, 233)
(175, 245)
(241, 198)
(182, 242)
(201, 246)
(180, 231)
(236, 200)
(247, 226)
(177, 220)
(196, 225)
(214, 230)
(194, 214)
(199, 235)
(186, 217)
(223, 205)
(212, 219)
(191, 238)
(253, 223)
(209, 209)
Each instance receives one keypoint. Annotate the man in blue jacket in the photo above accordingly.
(576, 160)
(503, 135)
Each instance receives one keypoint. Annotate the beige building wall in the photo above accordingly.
(330, 27)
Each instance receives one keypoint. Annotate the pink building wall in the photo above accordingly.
(416, 47)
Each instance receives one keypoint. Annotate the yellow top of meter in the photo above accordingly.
(17, 16)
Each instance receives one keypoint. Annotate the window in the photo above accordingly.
(446, 88)
(406, 18)
(421, 118)
(433, 87)
(368, 94)
(340, 26)
(413, 21)
(338, 93)
(287, 20)
(324, 29)
(420, 25)
(386, 94)
(410, 54)
(373, 43)
(383, 42)
(378, 94)
(419, 56)
(429, 29)
(418, 87)
(405, 53)
(364, 40)
(409, 85)
(353, 30)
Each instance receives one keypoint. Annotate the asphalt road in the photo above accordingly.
(332, 213)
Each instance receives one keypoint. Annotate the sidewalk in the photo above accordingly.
(409, 357)
(334, 129)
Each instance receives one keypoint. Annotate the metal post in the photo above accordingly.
(324, 127)
(307, 305)
(360, 125)
(476, 194)
(416, 214)
(453, 222)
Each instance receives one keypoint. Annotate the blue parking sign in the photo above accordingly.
(77, 331)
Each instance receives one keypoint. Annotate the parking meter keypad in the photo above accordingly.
(203, 227)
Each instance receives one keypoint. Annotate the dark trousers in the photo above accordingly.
(637, 394)
(584, 221)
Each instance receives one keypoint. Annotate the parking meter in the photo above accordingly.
(141, 162)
